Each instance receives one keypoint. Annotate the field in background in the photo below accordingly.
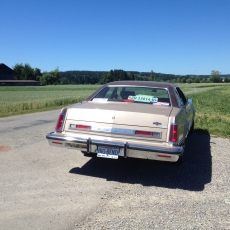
(30, 99)
(213, 110)
(212, 102)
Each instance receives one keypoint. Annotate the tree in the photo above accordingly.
(131, 76)
(197, 80)
(215, 76)
(50, 78)
(152, 77)
(183, 80)
(37, 74)
(26, 72)
(18, 69)
(178, 80)
(116, 75)
(226, 79)
(189, 80)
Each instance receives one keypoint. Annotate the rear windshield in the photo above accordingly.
(146, 95)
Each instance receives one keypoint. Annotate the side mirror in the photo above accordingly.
(189, 100)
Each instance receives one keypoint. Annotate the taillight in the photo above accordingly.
(173, 137)
(60, 123)
(82, 127)
(145, 133)
(128, 100)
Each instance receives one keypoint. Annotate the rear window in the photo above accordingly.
(146, 95)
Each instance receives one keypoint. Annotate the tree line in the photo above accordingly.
(55, 77)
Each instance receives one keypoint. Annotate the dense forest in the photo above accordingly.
(56, 77)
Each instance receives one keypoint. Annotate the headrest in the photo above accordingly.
(126, 94)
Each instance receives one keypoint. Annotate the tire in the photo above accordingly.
(180, 160)
(89, 154)
(191, 129)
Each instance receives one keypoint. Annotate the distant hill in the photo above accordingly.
(94, 77)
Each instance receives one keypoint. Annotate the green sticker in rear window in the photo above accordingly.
(143, 98)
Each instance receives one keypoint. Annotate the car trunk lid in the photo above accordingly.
(120, 113)
(121, 116)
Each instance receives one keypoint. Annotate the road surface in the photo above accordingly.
(44, 187)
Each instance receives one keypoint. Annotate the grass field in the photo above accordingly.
(213, 110)
(212, 102)
(20, 100)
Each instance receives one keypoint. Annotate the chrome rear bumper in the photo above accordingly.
(171, 153)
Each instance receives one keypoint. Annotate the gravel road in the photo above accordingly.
(43, 187)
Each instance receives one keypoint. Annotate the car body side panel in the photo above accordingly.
(181, 122)
(190, 113)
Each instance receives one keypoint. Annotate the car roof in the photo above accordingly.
(143, 83)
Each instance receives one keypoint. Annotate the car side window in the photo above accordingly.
(181, 95)
(180, 102)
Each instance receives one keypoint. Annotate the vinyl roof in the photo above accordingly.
(143, 83)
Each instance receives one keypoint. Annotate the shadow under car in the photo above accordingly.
(193, 174)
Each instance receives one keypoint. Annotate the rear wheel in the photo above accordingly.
(89, 154)
(191, 129)
(181, 157)
(180, 160)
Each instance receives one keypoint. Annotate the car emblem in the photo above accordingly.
(156, 123)
(113, 117)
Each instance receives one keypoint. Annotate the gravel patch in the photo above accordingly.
(161, 195)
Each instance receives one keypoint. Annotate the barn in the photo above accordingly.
(7, 78)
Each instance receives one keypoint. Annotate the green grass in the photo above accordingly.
(212, 102)
(21, 100)
(213, 110)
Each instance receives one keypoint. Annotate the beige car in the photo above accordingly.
(140, 119)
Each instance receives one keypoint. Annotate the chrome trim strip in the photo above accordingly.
(114, 130)
(108, 143)
(156, 135)
(176, 150)
(126, 145)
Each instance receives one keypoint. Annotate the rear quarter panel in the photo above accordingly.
(178, 116)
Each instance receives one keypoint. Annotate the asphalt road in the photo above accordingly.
(37, 190)
(44, 187)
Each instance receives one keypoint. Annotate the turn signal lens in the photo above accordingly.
(173, 137)
(60, 123)
(163, 156)
(143, 133)
(82, 127)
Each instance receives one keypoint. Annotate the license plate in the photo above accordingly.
(108, 152)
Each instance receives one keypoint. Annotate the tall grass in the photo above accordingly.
(20, 100)
(213, 110)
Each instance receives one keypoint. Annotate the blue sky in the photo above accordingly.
(166, 36)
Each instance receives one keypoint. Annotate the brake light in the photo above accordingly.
(57, 143)
(145, 133)
(82, 127)
(60, 123)
(163, 156)
(173, 137)
(128, 100)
